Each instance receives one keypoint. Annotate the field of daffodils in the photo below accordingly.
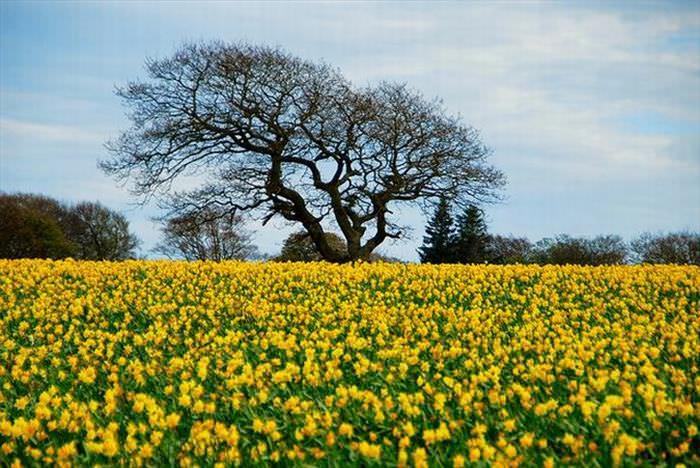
(217, 364)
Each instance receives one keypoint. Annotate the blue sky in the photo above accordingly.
(592, 109)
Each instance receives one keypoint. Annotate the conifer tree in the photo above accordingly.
(471, 239)
(437, 243)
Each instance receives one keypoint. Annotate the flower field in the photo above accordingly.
(168, 363)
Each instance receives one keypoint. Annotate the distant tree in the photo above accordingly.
(100, 233)
(471, 237)
(678, 248)
(28, 230)
(209, 234)
(505, 250)
(285, 137)
(560, 250)
(87, 231)
(607, 250)
(298, 247)
(565, 249)
(438, 241)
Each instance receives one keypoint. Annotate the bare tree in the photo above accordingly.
(508, 249)
(100, 233)
(677, 247)
(206, 235)
(564, 250)
(287, 137)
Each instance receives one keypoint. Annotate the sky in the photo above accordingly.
(592, 109)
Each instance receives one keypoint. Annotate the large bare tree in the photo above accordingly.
(270, 132)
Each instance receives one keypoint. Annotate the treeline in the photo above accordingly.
(467, 240)
(35, 226)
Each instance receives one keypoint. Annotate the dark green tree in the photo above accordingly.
(471, 239)
(28, 229)
(299, 247)
(437, 243)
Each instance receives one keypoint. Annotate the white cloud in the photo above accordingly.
(550, 83)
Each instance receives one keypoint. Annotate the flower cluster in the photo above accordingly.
(218, 364)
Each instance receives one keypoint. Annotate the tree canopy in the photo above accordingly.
(285, 137)
(29, 231)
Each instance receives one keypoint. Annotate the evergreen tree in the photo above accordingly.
(471, 239)
(437, 243)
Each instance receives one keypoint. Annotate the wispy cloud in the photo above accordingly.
(49, 132)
